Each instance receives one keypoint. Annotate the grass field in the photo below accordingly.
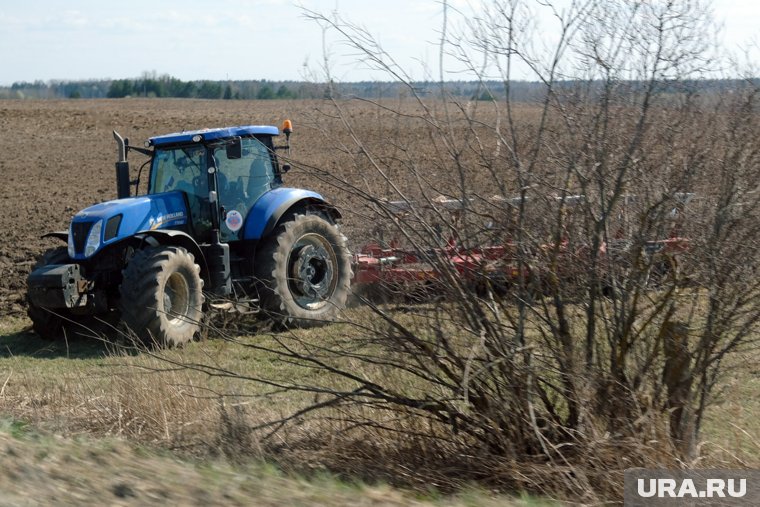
(93, 425)
(89, 422)
(41, 468)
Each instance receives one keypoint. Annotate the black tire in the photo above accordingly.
(49, 324)
(162, 296)
(304, 272)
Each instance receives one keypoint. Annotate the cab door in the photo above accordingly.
(241, 182)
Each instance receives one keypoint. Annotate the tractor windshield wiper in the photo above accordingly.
(190, 158)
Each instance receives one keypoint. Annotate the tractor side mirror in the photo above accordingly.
(234, 149)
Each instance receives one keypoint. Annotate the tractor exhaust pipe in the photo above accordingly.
(122, 167)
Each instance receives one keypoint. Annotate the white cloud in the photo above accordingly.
(73, 19)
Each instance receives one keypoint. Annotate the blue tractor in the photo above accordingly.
(216, 226)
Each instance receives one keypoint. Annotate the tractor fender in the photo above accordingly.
(170, 237)
(273, 205)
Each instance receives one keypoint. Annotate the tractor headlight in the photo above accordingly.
(93, 239)
(70, 243)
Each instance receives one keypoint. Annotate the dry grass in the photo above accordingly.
(41, 468)
(732, 426)
(83, 388)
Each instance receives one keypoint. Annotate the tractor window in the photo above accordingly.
(182, 169)
(242, 181)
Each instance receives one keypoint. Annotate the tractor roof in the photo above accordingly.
(211, 134)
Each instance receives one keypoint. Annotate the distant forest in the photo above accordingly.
(152, 85)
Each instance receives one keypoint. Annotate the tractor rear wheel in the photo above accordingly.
(48, 324)
(304, 272)
(162, 296)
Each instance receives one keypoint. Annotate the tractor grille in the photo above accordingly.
(80, 230)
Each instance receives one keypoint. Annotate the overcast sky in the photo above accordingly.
(236, 39)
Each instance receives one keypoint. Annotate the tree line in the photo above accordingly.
(151, 85)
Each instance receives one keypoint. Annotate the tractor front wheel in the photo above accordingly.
(162, 296)
(304, 272)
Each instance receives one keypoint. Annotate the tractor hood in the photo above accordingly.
(108, 222)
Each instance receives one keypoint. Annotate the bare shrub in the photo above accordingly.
(624, 200)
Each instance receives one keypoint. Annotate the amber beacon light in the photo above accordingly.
(287, 128)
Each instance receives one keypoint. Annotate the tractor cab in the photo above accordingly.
(237, 164)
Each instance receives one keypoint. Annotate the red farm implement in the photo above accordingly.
(389, 264)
